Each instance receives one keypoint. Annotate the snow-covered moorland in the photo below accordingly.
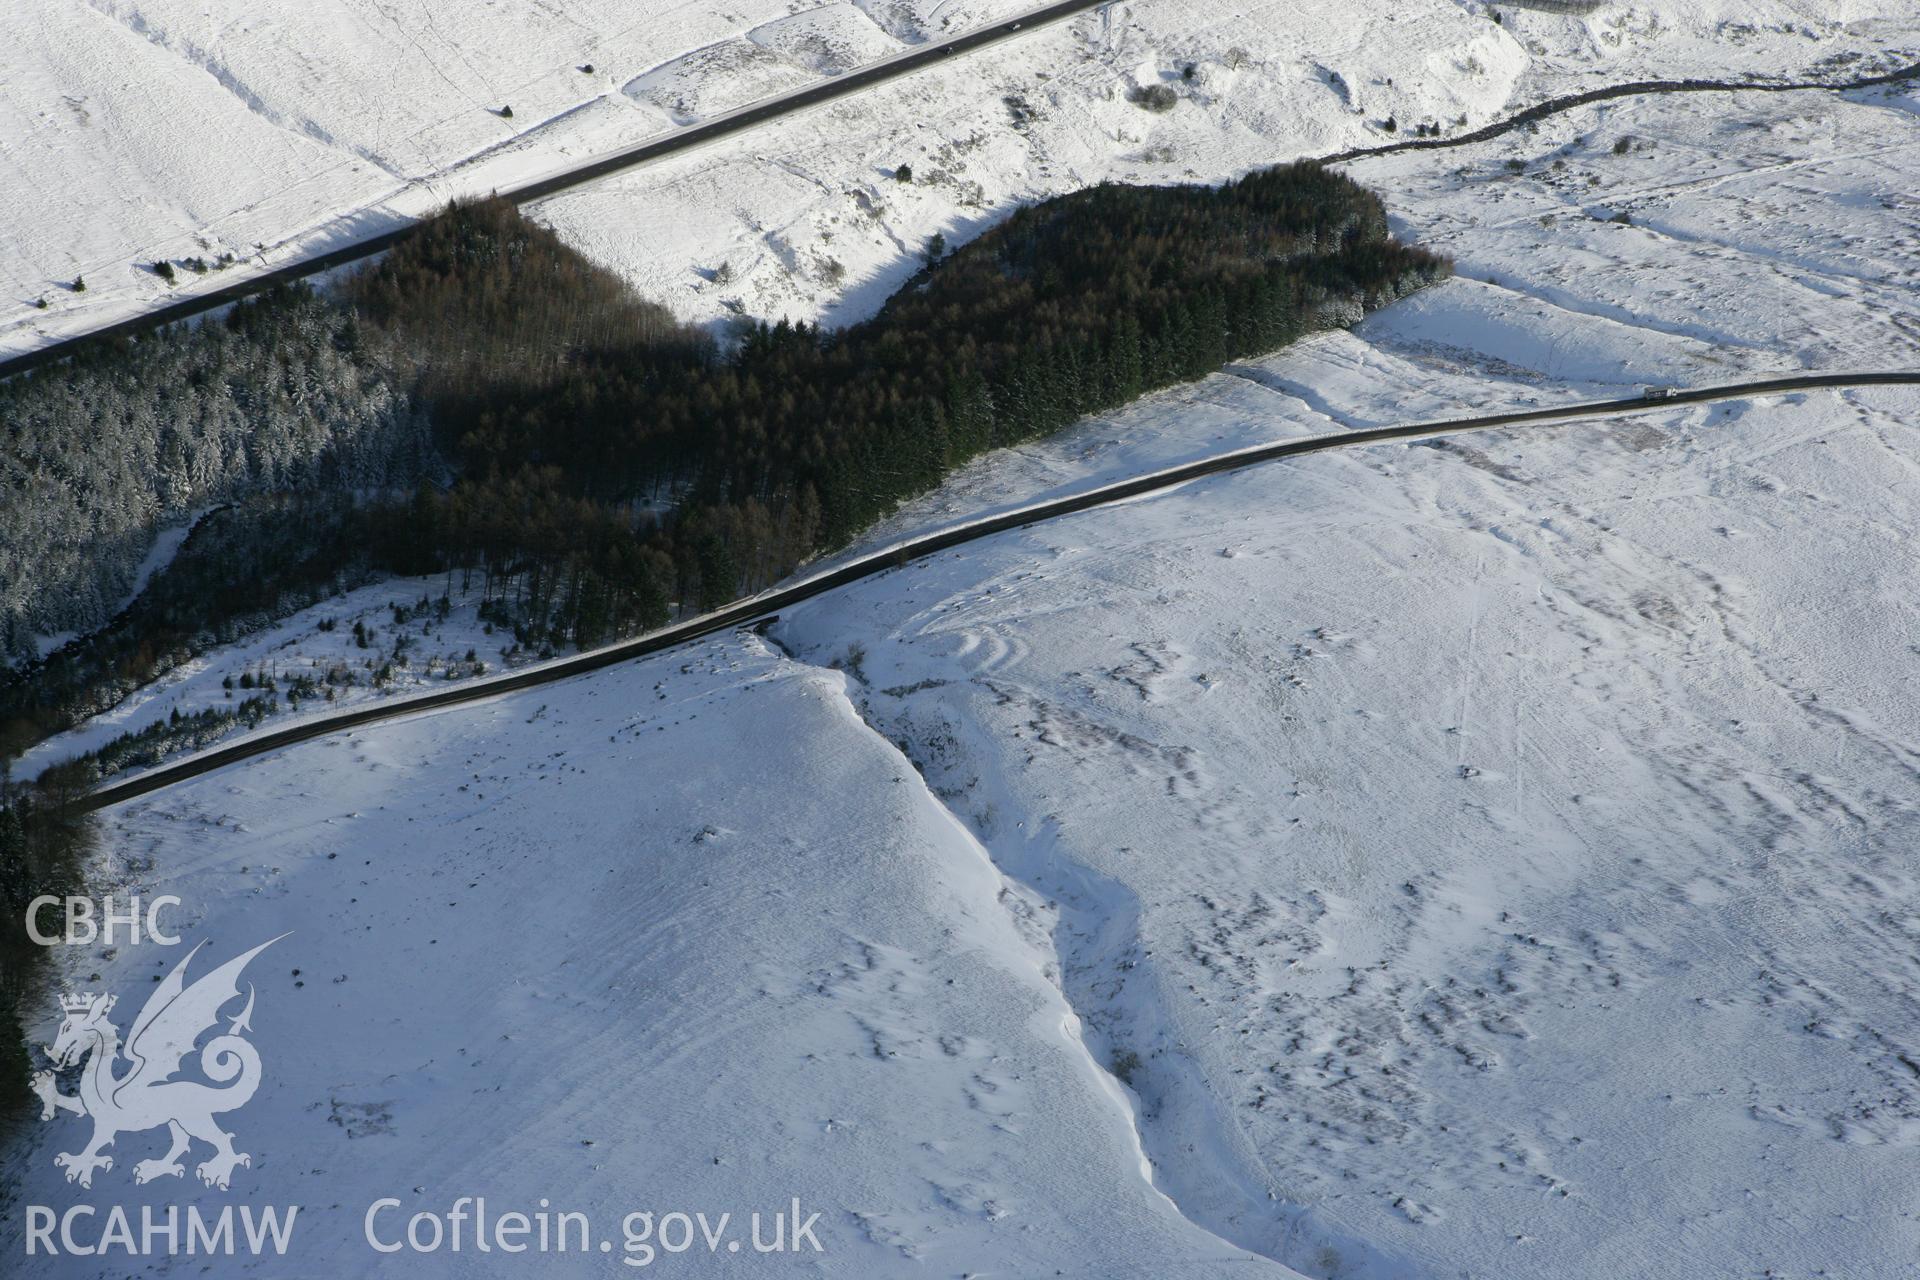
(1490, 855)
(312, 126)
(809, 218)
(1496, 853)
(889, 1048)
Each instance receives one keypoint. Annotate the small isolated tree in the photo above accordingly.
(903, 174)
(1154, 97)
(1391, 124)
(506, 112)
(164, 270)
(41, 303)
(79, 284)
(586, 68)
(936, 247)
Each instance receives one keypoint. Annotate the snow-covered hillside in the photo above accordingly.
(1474, 856)
(536, 955)
(1491, 855)
(808, 220)
(191, 131)
(1497, 850)
(1497, 854)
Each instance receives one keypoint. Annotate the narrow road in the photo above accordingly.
(696, 135)
(768, 603)
(1555, 106)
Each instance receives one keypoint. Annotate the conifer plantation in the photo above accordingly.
(488, 404)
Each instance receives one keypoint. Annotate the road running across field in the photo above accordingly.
(842, 86)
(1555, 106)
(764, 606)
(697, 135)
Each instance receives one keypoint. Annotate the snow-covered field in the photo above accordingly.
(536, 955)
(196, 130)
(810, 222)
(1498, 854)
(1487, 856)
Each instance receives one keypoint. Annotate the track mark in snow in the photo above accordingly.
(210, 63)
(1298, 393)
(1566, 300)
